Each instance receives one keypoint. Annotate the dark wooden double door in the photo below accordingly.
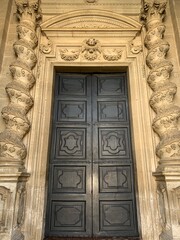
(91, 182)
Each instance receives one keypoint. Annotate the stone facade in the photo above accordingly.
(36, 38)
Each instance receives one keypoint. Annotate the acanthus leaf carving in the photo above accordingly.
(28, 10)
(155, 10)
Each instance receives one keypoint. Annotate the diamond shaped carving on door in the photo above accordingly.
(91, 175)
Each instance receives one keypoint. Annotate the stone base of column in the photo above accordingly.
(168, 190)
(12, 203)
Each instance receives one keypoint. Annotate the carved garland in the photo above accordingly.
(91, 50)
(165, 124)
(12, 149)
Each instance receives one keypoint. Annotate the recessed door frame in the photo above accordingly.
(143, 139)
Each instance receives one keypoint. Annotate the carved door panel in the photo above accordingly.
(114, 210)
(91, 187)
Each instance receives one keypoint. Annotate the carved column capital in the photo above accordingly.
(28, 9)
(153, 10)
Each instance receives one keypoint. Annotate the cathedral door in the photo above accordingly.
(91, 177)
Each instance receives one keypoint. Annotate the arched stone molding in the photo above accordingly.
(90, 19)
(38, 138)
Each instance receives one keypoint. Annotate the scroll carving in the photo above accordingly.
(46, 44)
(136, 44)
(12, 148)
(165, 124)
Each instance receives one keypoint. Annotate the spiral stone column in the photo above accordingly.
(13, 175)
(165, 124)
(12, 149)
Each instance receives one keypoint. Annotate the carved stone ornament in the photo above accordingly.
(12, 148)
(112, 54)
(91, 50)
(69, 54)
(46, 44)
(5, 197)
(136, 44)
(21, 200)
(165, 123)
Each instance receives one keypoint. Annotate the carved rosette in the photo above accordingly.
(12, 149)
(165, 124)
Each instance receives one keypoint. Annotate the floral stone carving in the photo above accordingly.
(69, 54)
(12, 149)
(112, 54)
(91, 50)
(165, 123)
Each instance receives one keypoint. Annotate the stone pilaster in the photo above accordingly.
(13, 175)
(165, 124)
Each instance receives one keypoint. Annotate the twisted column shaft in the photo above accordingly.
(165, 124)
(12, 149)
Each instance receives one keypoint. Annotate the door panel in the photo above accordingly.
(113, 189)
(91, 180)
